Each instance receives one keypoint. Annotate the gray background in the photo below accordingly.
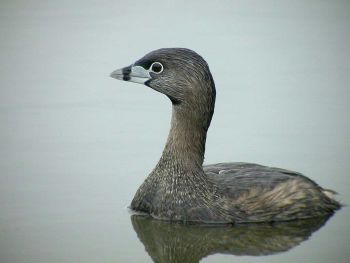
(76, 144)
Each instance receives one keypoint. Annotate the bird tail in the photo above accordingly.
(331, 194)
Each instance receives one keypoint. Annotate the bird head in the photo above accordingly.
(179, 73)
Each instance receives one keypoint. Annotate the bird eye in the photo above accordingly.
(156, 67)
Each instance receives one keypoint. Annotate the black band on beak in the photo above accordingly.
(126, 73)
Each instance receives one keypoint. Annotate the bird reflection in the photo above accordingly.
(175, 242)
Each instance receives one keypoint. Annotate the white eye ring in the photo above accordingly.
(156, 67)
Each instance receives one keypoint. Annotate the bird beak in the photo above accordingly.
(131, 73)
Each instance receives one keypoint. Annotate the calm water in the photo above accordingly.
(76, 144)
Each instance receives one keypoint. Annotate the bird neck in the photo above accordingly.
(191, 117)
(186, 141)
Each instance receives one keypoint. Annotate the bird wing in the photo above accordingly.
(241, 177)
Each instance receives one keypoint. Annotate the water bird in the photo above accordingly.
(180, 188)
